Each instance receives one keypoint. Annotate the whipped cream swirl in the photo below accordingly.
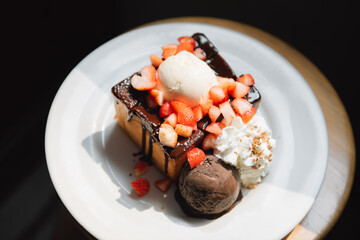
(248, 147)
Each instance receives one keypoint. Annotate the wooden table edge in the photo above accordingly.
(272, 41)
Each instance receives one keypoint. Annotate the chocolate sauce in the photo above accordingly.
(253, 97)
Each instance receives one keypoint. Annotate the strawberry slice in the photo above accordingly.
(185, 114)
(228, 112)
(217, 94)
(171, 119)
(195, 156)
(167, 135)
(214, 113)
(158, 96)
(141, 168)
(209, 142)
(147, 79)
(185, 46)
(183, 130)
(214, 128)
(178, 106)
(163, 184)
(169, 50)
(155, 60)
(240, 90)
(228, 84)
(198, 114)
(246, 79)
(166, 109)
(188, 40)
(198, 52)
(141, 186)
(205, 104)
(244, 109)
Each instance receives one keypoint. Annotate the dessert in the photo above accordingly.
(187, 108)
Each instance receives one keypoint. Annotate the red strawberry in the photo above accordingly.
(217, 94)
(169, 50)
(188, 40)
(195, 156)
(178, 106)
(205, 104)
(171, 119)
(240, 90)
(183, 130)
(241, 105)
(198, 114)
(209, 141)
(227, 84)
(163, 184)
(214, 113)
(214, 128)
(246, 79)
(165, 110)
(199, 53)
(227, 111)
(158, 96)
(141, 168)
(147, 79)
(155, 60)
(244, 109)
(141, 186)
(185, 114)
(185, 46)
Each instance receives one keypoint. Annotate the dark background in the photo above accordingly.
(44, 40)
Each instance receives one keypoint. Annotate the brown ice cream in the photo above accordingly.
(209, 190)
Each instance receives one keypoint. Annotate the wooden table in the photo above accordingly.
(340, 171)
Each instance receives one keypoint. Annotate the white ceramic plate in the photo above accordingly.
(90, 158)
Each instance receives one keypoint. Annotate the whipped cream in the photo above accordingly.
(186, 78)
(248, 147)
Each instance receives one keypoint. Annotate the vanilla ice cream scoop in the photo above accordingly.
(186, 78)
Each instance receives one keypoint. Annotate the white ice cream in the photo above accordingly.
(185, 77)
(248, 147)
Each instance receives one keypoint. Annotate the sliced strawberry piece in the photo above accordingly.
(214, 113)
(217, 94)
(199, 53)
(171, 119)
(198, 114)
(141, 168)
(155, 60)
(157, 77)
(183, 130)
(240, 90)
(205, 104)
(188, 40)
(246, 79)
(163, 184)
(214, 128)
(186, 117)
(185, 46)
(141, 186)
(178, 106)
(209, 142)
(248, 115)
(167, 135)
(150, 101)
(169, 50)
(227, 84)
(221, 125)
(158, 96)
(241, 105)
(166, 109)
(228, 112)
(195, 156)
(147, 79)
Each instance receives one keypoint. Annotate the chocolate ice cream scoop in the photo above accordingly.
(209, 190)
